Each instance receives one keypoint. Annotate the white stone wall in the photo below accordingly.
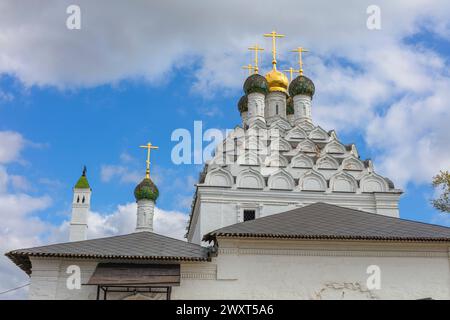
(220, 207)
(285, 269)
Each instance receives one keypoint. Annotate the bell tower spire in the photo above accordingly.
(81, 205)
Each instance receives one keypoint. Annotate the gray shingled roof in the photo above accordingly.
(326, 221)
(139, 246)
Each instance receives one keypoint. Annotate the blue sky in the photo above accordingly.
(134, 74)
(102, 125)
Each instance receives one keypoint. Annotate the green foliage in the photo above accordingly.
(442, 181)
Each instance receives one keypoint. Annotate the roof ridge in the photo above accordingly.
(316, 204)
(377, 214)
(107, 238)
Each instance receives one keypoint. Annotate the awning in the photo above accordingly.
(131, 274)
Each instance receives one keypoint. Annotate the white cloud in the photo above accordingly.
(119, 172)
(123, 221)
(358, 72)
(19, 228)
(11, 144)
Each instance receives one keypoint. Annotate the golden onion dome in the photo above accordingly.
(277, 81)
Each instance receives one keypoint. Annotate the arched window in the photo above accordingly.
(78, 199)
(82, 201)
(276, 109)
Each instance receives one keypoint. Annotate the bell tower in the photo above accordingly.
(81, 205)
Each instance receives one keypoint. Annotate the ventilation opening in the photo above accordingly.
(249, 215)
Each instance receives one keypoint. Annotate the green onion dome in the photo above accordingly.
(289, 106)
(243, 104)
(301, 85)
(146, 190)
(256, 83)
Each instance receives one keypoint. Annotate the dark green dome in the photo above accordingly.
(243, 104)
(256, 83)
(146, 190)
(301, 85)
(289, 106)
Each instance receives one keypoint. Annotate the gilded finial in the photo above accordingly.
(291, 72)
(300, 50)
(274, 35)
(256, 48)
(149, 147)
(250, 68)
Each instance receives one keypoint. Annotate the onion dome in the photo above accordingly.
(82, 183)
(277, 81)
(243, 104)
(256, 83)
(146, 190)
(289, 106)
(301, 85)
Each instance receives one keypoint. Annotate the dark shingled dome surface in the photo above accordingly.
(243, 104)
(146, 190)
(302, 85)
(256, 83)
(289, 106)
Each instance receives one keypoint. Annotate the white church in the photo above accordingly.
(284, 210)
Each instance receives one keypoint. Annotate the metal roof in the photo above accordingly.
(326, 221)
(139, 245)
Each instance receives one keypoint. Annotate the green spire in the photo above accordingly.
(82, 183)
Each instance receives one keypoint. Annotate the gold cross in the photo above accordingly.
(256, 48)
(149, 147)
(300, 50)
(274, 35)
(250, 69)
(291, 72)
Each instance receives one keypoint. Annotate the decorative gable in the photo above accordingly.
(281, 180)
(250, 179)
(295, 134)
(319, 134)
(276, 160)
(312, 181)
(307, 146)
(373, 182)
(343, 182)
(305, 125)
(280, 124)
(249, 158)
(219, 178)
(335, 147)
(301, 161)
(280, 144)
(352, 164)
(327, 162)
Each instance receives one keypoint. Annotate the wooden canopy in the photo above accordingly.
(136, 275)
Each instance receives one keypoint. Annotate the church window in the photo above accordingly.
(276, 109)
(78, 199)
(249, 215)
(84, 199)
